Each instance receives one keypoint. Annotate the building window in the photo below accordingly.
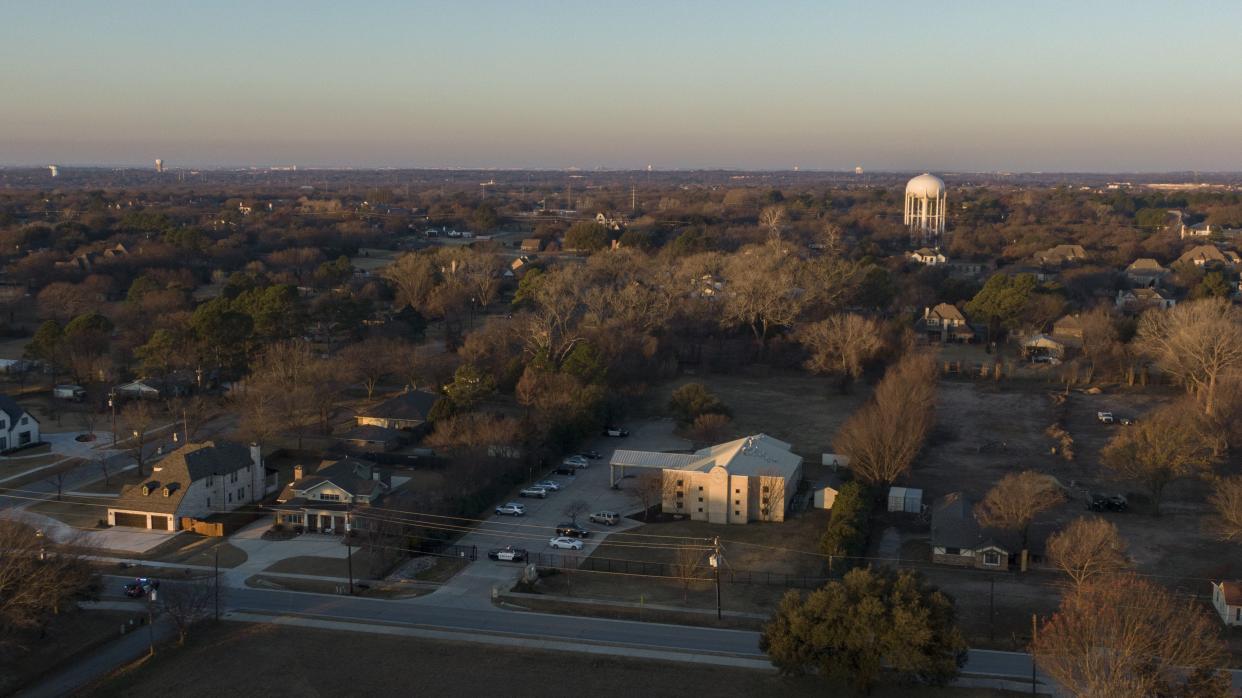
(680, 483)
(241, 493)
(952, 551)
(991, 559)
(700, 488)
(765, 489)
(230, 497)
(680, 505)
(681, 495)
(330, 497)
(736, 512)
(25, 420)
(765, 512)
(737, 491)
(700, 499)
(209, 502)
(700, 510)
(737, 502)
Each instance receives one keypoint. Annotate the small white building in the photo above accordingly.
(18, 427)
(908, 500)
(927, 256)
(1227, 598)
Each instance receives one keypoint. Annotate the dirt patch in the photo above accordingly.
(310, 662)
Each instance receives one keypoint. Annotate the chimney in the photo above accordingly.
(256, 456)
(297, 473)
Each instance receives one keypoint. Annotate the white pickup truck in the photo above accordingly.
(1104, 417)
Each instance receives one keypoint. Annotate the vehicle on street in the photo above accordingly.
(1107, 502)
(140, 587)
(569, 530)
(563, 543)
(576, 461)
(616, 432)
(508, 554)
(549, 485)
(608, 518)
(511, 509)
(534, 492)
(1104, 417)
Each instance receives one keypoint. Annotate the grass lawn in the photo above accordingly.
(194, 549)
(79, 512)
(269, 660)
(443, 569)
(778, 548)
(325, 566)
(65, 636)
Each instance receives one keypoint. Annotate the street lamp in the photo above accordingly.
(112, 404)
(42, 543)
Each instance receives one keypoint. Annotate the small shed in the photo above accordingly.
(905, 499)
(1043, 345)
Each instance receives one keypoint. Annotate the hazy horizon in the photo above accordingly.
(1138, 87)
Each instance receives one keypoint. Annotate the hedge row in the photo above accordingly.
(846, 535)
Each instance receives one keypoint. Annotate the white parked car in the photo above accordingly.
(534, 492)
(577, 462)
(563, 543)
(549, 485)
(511, 509)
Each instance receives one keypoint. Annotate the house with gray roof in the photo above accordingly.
(194, 482)
(333, 497)
(409, 410)
(749, 479)
(18, 427)
(958, 539)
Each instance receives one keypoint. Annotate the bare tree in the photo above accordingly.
(688, 567)
(1016, 500)
(186, 603)
(763, 289)
(772, 220)
(137, 418)
(1168, 444)
(841, 344)
(371, 361)
(709, 428)
(648, 490)
(1123, 636)
(1226, 503)
(189, 413)
(1088, 548)
(576, 508)
(1199, 343)
(883, 437)
(37, 580)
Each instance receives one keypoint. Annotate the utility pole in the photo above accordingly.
(217, 578)
(151, 622)
(349, 561)
(716, 561)
(1034, 632)
(112, 404)
(992, 609)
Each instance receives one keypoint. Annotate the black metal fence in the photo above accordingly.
(443, 549)
(576, 562)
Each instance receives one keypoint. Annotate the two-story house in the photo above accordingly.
(194, 482)
(1227, 598)
(945, 323)
(18, 427)
(330, 499)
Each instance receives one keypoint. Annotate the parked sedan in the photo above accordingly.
(563, 543)
(508, 554)
(511, 509)
(569, 530)
(616, 432)
(593, 455)
(534, 492)
(549, 485)
(576, 461)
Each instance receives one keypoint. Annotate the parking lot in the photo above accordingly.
(533, 530)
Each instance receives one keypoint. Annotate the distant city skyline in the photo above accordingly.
(906, 86)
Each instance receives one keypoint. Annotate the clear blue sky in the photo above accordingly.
(949, 85)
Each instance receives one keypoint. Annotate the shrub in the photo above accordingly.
(692, 400)
(846, 535)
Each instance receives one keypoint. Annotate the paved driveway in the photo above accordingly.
(473, 585)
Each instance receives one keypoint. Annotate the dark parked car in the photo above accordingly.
(572, 531)
(140, 587)
(1107, 502)
(593, 455)
(563, 469)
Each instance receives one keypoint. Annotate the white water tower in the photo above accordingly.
(925, 208)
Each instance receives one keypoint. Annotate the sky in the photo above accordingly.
(889, 85)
